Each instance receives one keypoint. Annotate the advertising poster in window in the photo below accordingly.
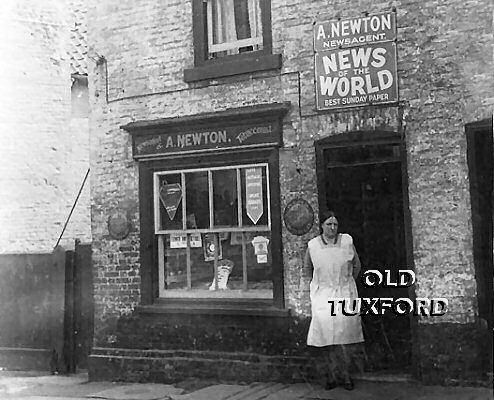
(178, 241)
(260, 244)
(253, 193)
(210, 247)
(171, 196)
(195, 240)
(355, 62)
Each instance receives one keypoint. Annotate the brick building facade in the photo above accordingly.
(46, 152)
(45, 158)
(171, 113)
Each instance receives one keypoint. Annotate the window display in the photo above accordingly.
(214, 232)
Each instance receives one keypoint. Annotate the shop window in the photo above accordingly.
(213, 227)
(231, 37)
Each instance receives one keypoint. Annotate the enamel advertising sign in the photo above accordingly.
(355, 62)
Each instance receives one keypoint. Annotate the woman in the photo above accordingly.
(333, 262)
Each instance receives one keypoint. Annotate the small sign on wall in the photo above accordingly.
(355, 61)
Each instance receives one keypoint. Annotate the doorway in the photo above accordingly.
(360, 178)
(480, 154)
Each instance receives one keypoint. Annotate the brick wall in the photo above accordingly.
(444, 79)
(44, 152)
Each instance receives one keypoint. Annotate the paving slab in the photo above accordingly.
(292, 392)
(403, 391)
(259, 390)
(214, 392)
(53, 397)
(76, 387)
(50, 385)
(138, 391)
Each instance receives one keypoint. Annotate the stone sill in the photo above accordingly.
(240, 65)
(260, 308)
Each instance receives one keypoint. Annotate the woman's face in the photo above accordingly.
(330, 227)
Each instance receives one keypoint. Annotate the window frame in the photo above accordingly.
(149, 240)
(258, 60)
(210, 229)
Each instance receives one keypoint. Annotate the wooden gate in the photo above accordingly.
(78, 315)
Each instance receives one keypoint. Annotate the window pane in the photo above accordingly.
(170, 202)
(175, 262)
(234, 26)
(201, 261)
(254, 196)
(197, 195)
(253, 249)
(225, 197)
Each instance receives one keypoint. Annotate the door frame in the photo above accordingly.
(474, 132)
(358, 138)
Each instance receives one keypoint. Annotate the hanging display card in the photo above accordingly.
(260, 244)
(224, 269)
(195, 240)
(253, 193)
(178, 241)
(170, 196)
(209, 247)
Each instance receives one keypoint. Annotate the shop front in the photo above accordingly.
(210, 208)
(212, 290)
(210, 176)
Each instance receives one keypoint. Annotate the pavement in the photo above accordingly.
(41, 386)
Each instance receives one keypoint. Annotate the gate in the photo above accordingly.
(78, 314)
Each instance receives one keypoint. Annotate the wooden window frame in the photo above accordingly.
(247, 62)
(149, 240)
(211, 228)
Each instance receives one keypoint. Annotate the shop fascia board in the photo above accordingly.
(255, 113)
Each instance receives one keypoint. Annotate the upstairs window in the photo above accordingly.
(233, 26)
(231, 37)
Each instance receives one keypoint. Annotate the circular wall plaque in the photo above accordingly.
(298, 216)
(118, 225)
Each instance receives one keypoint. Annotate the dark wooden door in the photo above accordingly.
(362, 183)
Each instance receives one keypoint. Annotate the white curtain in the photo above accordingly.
(222, 19)
(255, 21)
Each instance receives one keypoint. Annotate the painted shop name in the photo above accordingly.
(185, 140)
(205, 140)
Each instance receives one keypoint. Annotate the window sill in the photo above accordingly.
(188, 306)
(235, 67)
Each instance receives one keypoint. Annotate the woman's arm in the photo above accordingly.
(307, 267)
(356, 264)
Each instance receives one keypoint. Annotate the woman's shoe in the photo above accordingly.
(348, 384)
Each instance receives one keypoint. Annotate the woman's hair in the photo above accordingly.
(324, 216)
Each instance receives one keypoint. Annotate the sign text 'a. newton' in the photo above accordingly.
(354, 31)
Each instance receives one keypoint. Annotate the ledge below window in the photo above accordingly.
(228, 68)
(248, 308)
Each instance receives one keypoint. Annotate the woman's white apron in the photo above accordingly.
(332, 279)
